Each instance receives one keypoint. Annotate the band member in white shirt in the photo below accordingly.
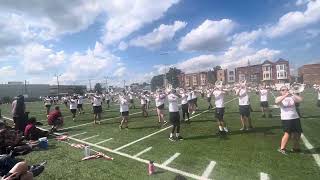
(190, 101)
(132, 105)
(65, 101)
(73, 103)
(263, 92)
(148, 101)
(290, 119)
(124, 110)
(218, 94)
(194, 100)
(80, 104)
(244, 107)
(174, 115)
(209, 94)
(47, 103)
(160, 98)
(108, 98)
(184, 105)
(143, 104)
(97, 107)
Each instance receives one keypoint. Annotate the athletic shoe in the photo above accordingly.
(171, 139)
(225, 129)
(242, 129)
(164, 123)
(283, 151)
(36, 170)
(180, 138)
(193, 112)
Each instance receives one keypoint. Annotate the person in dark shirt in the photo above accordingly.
(31, 132)
(55, 119)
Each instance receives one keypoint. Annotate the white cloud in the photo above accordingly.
(122, 46)
(246, 38)
(158, 36)
(125, 17)
(301, 2)
(120, 72)
(7, 71)
(209, 36)
(295, 20)
(40, 59)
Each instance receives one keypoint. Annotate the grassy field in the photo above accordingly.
(239, 155)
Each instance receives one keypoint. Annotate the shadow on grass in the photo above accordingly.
(264, 130)
(312, 151)
(309, 117)
(145, 127)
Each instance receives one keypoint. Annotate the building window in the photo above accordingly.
(242, 77)
(231, 78)
(231, 73)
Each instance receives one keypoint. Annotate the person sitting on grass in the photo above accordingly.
(31, 132)
(55, 119)
(290, 119)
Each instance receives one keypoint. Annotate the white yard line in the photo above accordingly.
(157, 132)
(142, 152)
(209, 169)
(168, 161)
(103, 141)
(89, 137)
(187, 174)
(309, 147)
(78, 134)
(264, 176)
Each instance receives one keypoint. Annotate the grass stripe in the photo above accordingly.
(78, 134)
(310, 147)
(209, 169)
(168, 161)
(104, 141)
(142, 152)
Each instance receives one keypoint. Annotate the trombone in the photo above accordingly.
(296, 88)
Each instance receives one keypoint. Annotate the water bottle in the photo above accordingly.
(151, 168)
(87, 151)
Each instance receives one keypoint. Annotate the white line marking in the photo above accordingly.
(78, 134)
(209, 169)
(309, 147)
(145, 137)
(103, 141)
(168, 161)
(142, 152)
(264, 176)
(89, 137)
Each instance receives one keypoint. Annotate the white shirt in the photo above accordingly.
(208, 93)
(130, 96)
(243, 97)
(143, 99)
(173, 103)
(219, 98)
(80, 100)
(123, 104)
(263, 95)
(318, 95)
(189, 95)
(184, 98)
(194, 95)
(47, 101)
(160, 98)
(73, 104)
(97, 100)
(288, 109)
(107, 97)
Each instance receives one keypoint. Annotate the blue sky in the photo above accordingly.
(135, 40)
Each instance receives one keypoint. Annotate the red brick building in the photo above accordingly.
(193, 79)
(309, 74)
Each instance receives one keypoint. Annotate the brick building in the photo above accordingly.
(231, 76)
(193, 79)
(309, 74)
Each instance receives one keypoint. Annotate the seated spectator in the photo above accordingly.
(55, 119)
(31, 132)
(10, 140)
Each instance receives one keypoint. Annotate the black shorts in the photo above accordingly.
(161, 107)
(57, 122)
(125, 113)
(97, 109)
(143, 106)
(184, 107)
(190, 101)
(264, 104)
(219, 114)
(131, 101)
(108, 101)
(292, 126)
(244, 110)
(48, 106)
(174, 118)
(73, 111)
(79, 106)
(209, 99)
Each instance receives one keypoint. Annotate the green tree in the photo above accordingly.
(78, 90)
(157, 82)
(98, 88)
(173, 77)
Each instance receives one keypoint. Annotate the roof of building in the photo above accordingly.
(280, 60)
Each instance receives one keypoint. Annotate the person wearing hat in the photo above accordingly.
(174, 115)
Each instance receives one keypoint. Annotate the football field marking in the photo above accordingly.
(89, 137)
(103, 141)
(78, 134)
(157, 132)
(310, 147)
(168, 161)
(142, 152)
(209, 169)
(264, 176)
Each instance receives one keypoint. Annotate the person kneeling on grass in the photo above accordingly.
(290, 119)
(55, 119)
(31, 132)
(174, 115)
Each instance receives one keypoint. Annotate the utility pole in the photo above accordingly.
(25, 86)
(106, 78)
(124, 84)
(90, 85)
(58, 86)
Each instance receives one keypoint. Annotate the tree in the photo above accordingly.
(98, 88)
(78, 90)
(173, 77)
(157, 82)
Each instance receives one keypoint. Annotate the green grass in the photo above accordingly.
(241, 155)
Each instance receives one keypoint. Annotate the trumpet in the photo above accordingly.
(296, 88)
(316, 87)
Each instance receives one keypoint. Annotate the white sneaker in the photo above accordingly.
(242, 129)
(225, 129)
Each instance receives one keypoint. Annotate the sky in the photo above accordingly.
(121, 41)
